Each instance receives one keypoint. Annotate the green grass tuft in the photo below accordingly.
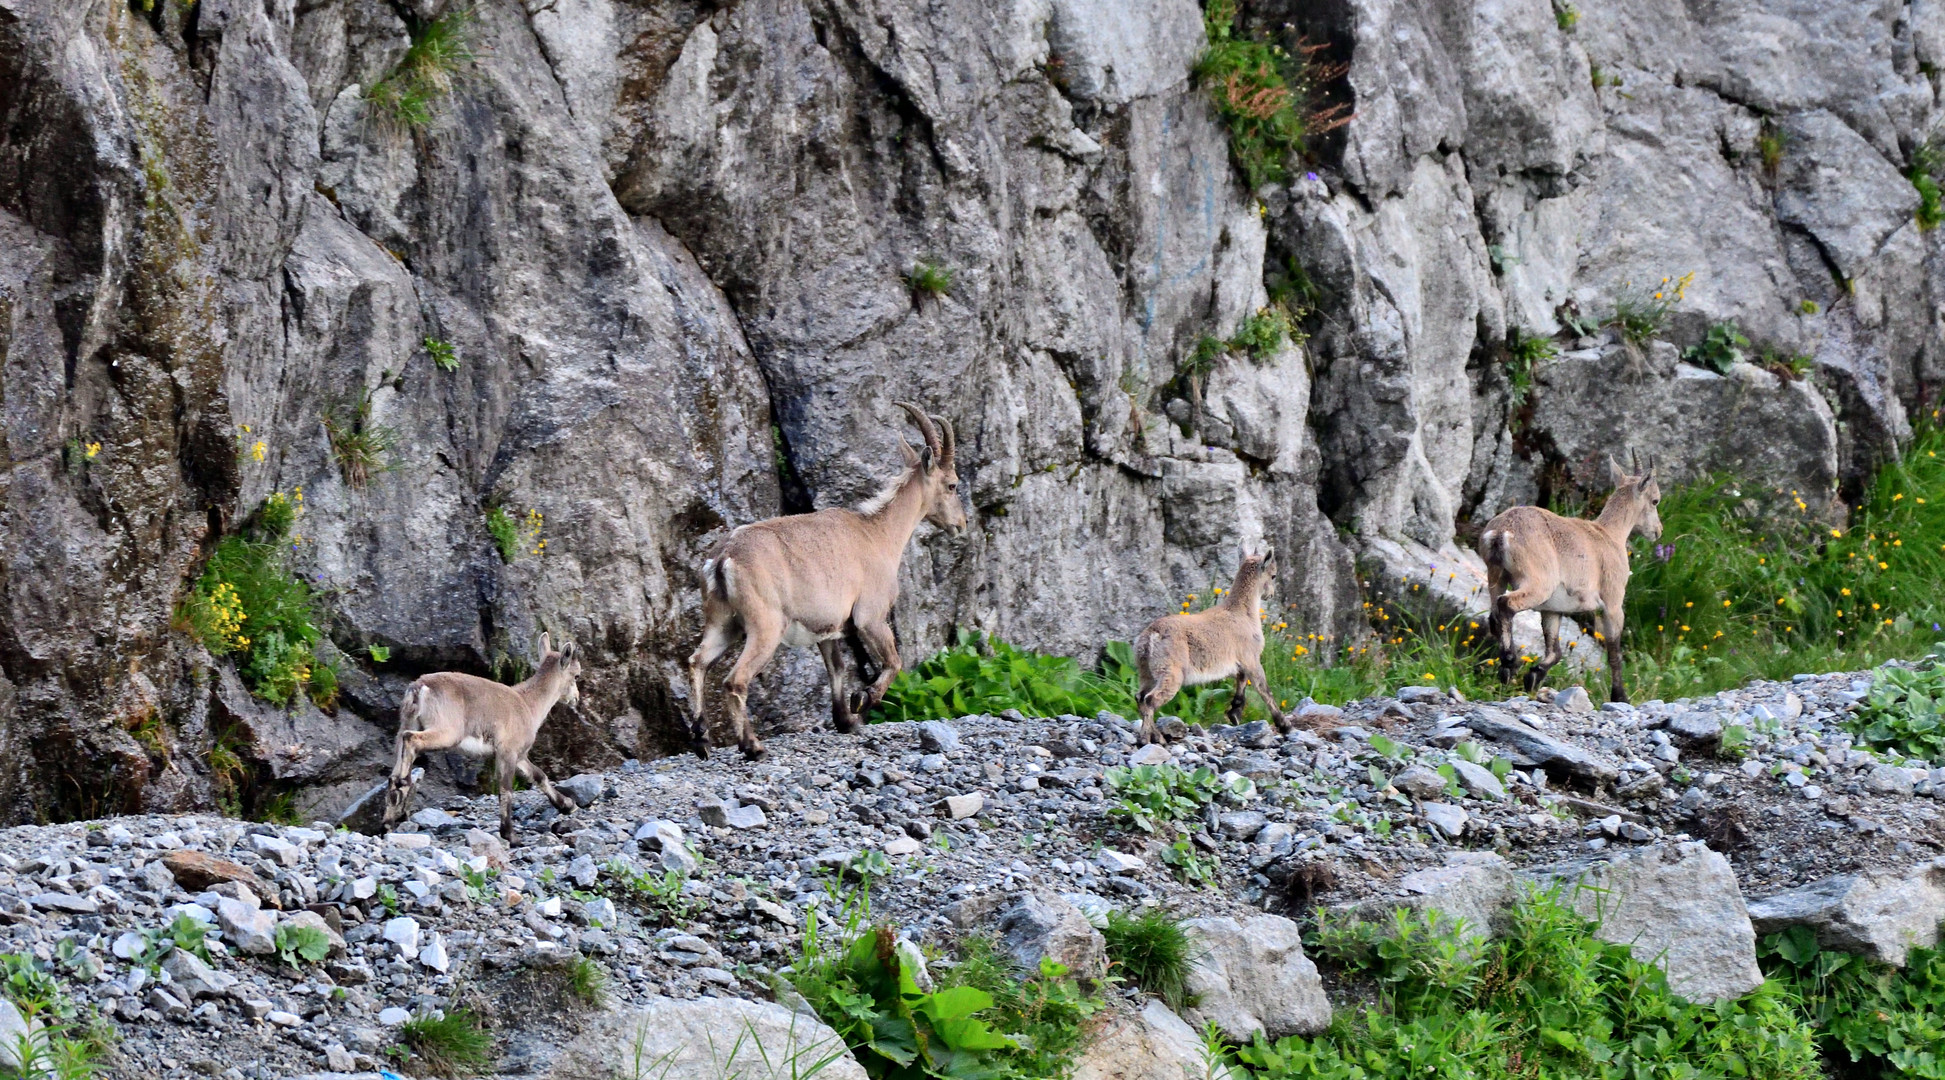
(426, 73)
(587, 980)
(929, 278)
(454, 1044)
(506, 534)
(1154, 952)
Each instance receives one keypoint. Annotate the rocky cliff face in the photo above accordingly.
(669, 243)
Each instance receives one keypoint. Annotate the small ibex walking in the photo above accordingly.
(1214, 643)
(449, 710)
(1567, 566)
(800, 580)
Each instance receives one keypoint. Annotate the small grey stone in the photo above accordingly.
(67, 902)
(1117, 862)
(1419, 782)
(1574, 699)
(403, 932)
(1479, 780)
(434, 954)
(1446, 818)
(1695, 728)
(938, 737)
(393, 1016)
(1421, 695)
(1888, 780)
(963, 806)
(583, 872)
(599, 912)
(432, 817)
(1152, 754)
(248, 928)
(583, 788)
(1241, 824)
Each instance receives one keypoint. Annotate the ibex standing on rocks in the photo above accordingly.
(799, 580)
(1566, 566)
(1215, 643)
(448, 710)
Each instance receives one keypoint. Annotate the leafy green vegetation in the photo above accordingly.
(1150, 797)
(930, 278)
(1927, 164)
(981, 1019)
(660, 896)
(1525, 352)
(505, 534)
(363, 449)
(980, 675)
(1869, 1019)
(443, 354)
(587, 980)
(306, 943)
(1152, 950)
(1566, 16)
(449, 1044)
(69, 1045)
(1271, 97)
(248, 604)
(1719, 350)
(425, 74)
(1547, 999)
(1905, 710)
(1770, 141)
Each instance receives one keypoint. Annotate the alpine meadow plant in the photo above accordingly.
(1719, 350)
(1270, 97)
(453, 1043)
(1869, 1019)
(1905, 710)
(248, 604)
(1152, 950)
(404, 98)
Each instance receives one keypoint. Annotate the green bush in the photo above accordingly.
(1880, 1020)
(1905, 710)
(363, 449)
(1046, 1012)
(443, 354)
(1150, 797)
(248, 604)
(862, 987)
(1263, 333)
(70, 1044)
(1269, 96)
(505, 534)
(306, 943)
(1525, 352)
(980, 675)
(1719, 350)
(1153, 951)
(1548, 999)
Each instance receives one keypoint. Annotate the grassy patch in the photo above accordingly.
(452, 1044)
(363, 449)
(587, 980)
(1153, 951)
(1548, 999)
(1270, 97)
(514, 538)
(1642, 314)
(440, 47)
(929, 278)
(1770, 142)
(1525, 352)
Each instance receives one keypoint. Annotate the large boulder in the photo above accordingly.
(1881, 914)
(1035, 928)
(704, 1039)
(1475, 887)
(1251, 978)
(1676, 905)
(1149, 1044)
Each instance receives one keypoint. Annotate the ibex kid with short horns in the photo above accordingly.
(1201, 647)
(1567, 566)
(800, 580)
(450, 710)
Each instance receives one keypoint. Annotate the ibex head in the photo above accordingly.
(938, 478)
(568, 660)
(1645, 489)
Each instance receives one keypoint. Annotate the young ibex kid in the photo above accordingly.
(448, 710)
(1567, 566)
(1215, 643)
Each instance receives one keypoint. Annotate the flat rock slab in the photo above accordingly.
(705, 1039)
(1676, 905)
(1472, 886)
(1542, 749)
(1254, 979)
(1881, 914)
(196, 871)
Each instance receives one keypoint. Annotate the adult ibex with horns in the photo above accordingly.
(1568, 566)
(801, 580)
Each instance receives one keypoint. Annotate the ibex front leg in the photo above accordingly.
(883, 647)
(841, 716)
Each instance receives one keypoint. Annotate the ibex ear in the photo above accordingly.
(1269, 556)
(1615, 474)
(905, 448)
(567, 651)
(924, 461)
(546, 644)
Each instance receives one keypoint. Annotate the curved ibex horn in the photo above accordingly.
(925, 428)
(951, 439)
(1635, 459)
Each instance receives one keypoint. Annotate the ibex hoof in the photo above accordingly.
(753, 751)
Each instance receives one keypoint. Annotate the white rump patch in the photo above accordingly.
(473, 747)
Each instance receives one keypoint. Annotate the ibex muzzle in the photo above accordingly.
(802, 580)
(1538, 560)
